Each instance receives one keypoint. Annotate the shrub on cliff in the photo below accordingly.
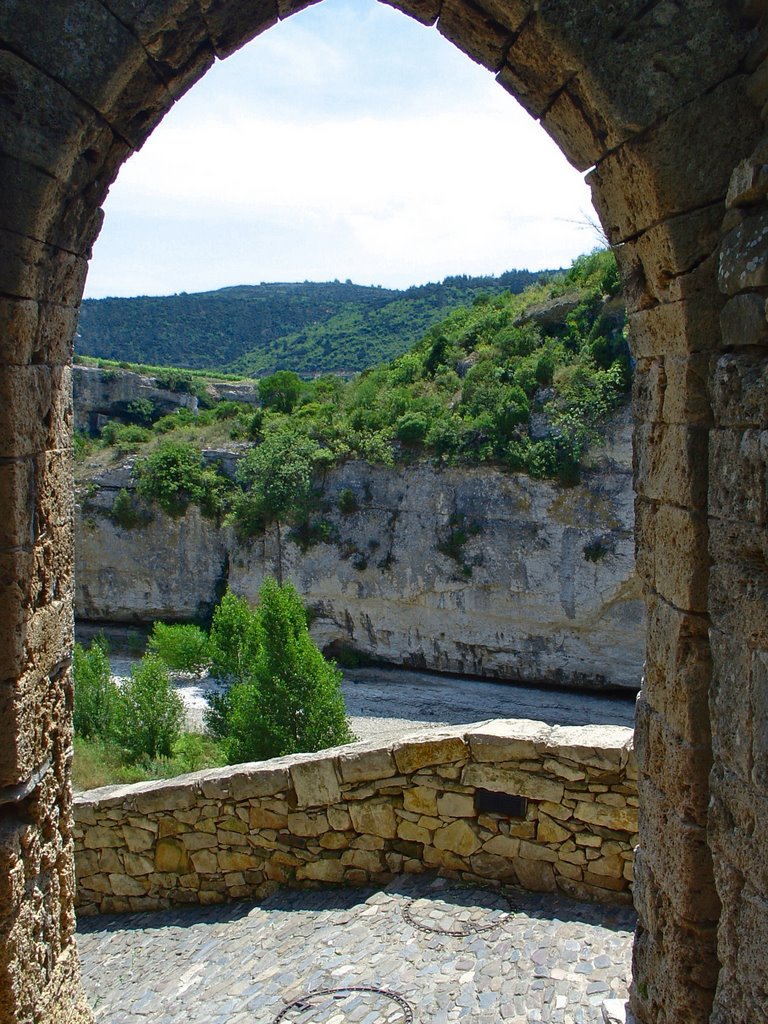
(175, 476)
(276, 477)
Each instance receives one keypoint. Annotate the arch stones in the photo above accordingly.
(664, 104)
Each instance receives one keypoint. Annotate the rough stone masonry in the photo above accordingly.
(365, 813)
(665, 105)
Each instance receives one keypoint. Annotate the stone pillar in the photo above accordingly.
(738, 547)
(668, 234)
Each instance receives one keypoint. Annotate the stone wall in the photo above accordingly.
(544, 590)
(365, 813)
(663, 102)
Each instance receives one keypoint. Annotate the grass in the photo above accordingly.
(99, 762)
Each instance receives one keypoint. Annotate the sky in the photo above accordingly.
(347, 142)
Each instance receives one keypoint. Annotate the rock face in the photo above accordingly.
(102, 394)
(542, 589)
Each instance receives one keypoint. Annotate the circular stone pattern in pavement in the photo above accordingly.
(458, 910)
(347, 1006)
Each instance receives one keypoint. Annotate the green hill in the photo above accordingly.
(257, 329)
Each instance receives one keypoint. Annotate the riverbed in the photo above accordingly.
(386, 703)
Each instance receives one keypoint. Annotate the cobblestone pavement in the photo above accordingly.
(423, 951)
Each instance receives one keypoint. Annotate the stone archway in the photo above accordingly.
(662, 101)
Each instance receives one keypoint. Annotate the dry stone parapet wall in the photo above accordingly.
(365, 813)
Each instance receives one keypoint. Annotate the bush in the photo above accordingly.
(281, 391)
(347, 501)
(277, 481)
(149, 713)
(96, 692)
(127, 436)
(292, 702)
(235, 640)
(183, 648)
(124, 512)
(412, 428)
(175, 475)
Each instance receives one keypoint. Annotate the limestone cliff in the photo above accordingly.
(542, 589)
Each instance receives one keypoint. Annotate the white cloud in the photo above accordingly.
(400, 194)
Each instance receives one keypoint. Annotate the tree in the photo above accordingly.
(291, 700)
(280, 391)
(149, 713)
(183, 648)
(277, 481)
(96, 692)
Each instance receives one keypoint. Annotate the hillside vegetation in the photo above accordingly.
(253, 330)
(520, 381)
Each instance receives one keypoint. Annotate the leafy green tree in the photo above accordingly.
(235, 641)
(292, 702)
(149, 713)
(182, 647)
(280, 391)
(96, 692)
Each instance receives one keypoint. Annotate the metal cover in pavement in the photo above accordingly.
(347, 1005)
(458, 910)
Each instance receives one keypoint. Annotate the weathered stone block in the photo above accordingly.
(232, 25)
(307, 824)
(508, 780)
(315, 782)
(672, 389)
(639, 184)
(413, 833)
(124, 885)
(420, 800)
(744, 256)
(670, 541)
(503, 846)
(535, 875)
(237, 860)
(676, 852)
(620, 819)
(548, 831)
(245, 782)
(678, 669)
(738, 461)
(425, 11)
(748, 184)
(477, 33)
(671, 464)
(430, 749)
(377, 819)
(739, 393)
(506, 739)
(171, 856)
(358, 765)
(456, 805)
(259, 817)
(743, 321)
(322, 871)
(596, 746)
(457, 838)
(367, 860)
(488, 865)
(738, 582)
